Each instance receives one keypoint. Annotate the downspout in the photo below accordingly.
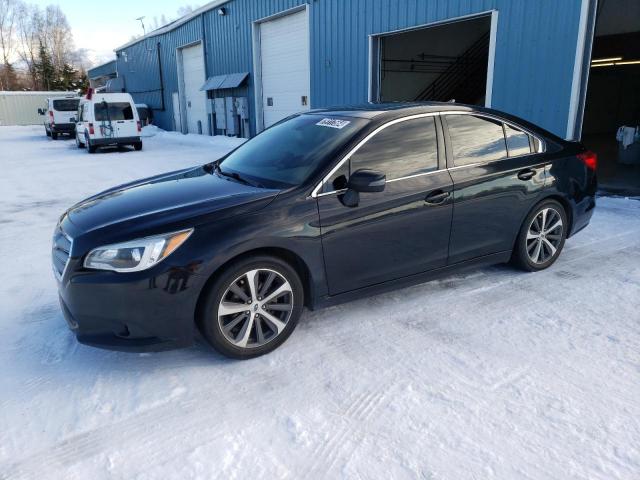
(162, 107)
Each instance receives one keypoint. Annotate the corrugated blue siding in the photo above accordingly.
(534, 58)
(108, 68)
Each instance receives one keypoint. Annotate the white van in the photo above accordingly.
(107, 119)
(58, 115)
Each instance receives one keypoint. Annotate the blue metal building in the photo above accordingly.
(237, 66)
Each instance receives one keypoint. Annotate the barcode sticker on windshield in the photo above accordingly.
(333, 123)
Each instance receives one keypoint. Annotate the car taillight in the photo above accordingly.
(51, 116)
(589, 158)
(91, 130)
(139, 126)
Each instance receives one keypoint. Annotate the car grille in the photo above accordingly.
(60, 251)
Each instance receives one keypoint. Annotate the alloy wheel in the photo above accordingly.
(255, 308)
(544, 235)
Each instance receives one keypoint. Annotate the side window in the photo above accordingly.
(475, 139)
(518, 143)
(402, 149)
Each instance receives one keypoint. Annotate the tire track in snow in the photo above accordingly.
(358, 411)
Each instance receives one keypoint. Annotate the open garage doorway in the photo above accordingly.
(613, 96)
(443, 62)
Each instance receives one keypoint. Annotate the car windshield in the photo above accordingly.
(288, 152)
(113, 111)
(66, 105)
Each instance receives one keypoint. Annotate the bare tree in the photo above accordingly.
(30, 31)
(8, 16)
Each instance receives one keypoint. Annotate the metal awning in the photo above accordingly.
(229, 80)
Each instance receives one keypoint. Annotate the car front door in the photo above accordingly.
(494, 186)
(401, 231)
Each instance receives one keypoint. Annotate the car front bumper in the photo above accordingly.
(130, 312)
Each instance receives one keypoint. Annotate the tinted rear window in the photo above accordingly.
(66, 105)
(113, 111)
(475, 140)
(518, 143)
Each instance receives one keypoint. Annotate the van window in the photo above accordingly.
(113, 111)
(66, 105)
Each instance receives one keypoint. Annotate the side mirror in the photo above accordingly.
(41, 111)
(362, 181)
(367, 181)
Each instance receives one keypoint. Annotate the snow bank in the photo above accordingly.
(493, 374)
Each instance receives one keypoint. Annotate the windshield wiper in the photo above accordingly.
(235, 176)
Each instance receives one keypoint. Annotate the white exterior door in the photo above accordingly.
(284, 58)
(193, 76)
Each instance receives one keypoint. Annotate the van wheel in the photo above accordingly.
(541, 237)
(54, 136)
(252, 307)
(137, 146)
(90, 148)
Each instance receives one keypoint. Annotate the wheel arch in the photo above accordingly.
(553, 196)
(294, 260)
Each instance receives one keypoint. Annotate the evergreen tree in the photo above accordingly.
(45, 70)
(68, 77)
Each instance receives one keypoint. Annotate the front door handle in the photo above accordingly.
(437, 197)
(526, 174)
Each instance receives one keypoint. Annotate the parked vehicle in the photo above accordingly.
(59, 114)
(324, 207)
(145, 114)
(107, 119)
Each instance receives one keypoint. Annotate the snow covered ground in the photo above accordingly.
(494, 374)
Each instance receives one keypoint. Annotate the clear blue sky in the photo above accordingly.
(104, 25)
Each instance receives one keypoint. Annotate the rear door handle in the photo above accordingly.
(526, 174)
(437, 197)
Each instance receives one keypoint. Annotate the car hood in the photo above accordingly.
(170, 197)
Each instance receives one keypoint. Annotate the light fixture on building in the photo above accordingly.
(610, 59)
(222, 11)
(612, 62)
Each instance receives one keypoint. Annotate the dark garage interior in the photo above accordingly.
(613, 95)
(441, 63)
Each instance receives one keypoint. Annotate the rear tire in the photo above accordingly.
(267, 321)
(541, 237)
(137, 146)
(54, 136)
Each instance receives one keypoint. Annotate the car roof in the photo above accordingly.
(391, 109)
(109, 97)
(384, 112)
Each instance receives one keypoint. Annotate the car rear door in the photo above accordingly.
(64, 109)
(494, 186)
(401, 231)
(125, 116)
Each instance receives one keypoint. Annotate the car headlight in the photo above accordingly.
(137, 254)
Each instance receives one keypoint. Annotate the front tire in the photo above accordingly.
(137, 146)
(541, 237)
(252, 307)
(54, 136)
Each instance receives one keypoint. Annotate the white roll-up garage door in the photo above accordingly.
(193, 76)
(284, 63)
